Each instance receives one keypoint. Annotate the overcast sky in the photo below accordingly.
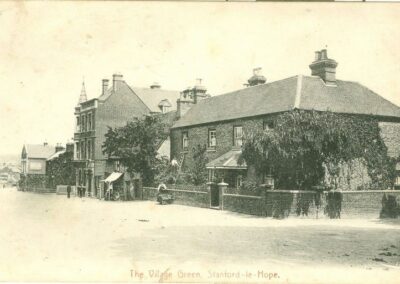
(47, 48)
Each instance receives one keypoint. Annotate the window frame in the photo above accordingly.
(235, 137)
(185, 138)
(210, 131)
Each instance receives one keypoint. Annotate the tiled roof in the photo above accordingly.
(150, 97)
(229, 160)
(153, 97)
(298, 92)
(39, 151)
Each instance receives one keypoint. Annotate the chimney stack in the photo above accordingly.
(155, 86)
(324, 67)
(117, 79)
(59, 147)
(257, 78)
(104, 86)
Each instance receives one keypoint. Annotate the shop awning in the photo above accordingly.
(228, 160)
(113, 177)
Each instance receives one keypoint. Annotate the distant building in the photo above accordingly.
(60, 167)
(33, 165)
(117, 104)
(221, 121)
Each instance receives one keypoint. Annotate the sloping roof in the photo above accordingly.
(56, 155)
(298, 92)
(153, 97)
(39, 151)
(229, 160)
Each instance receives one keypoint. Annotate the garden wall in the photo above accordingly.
(183, 197)
(354, 204)
(246, 204)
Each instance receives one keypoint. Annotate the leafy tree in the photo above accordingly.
(198, 173)
(136, 145)
(302, 142)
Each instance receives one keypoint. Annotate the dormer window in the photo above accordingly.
(164, 106)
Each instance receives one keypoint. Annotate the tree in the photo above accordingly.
(135, 145)
(198, 173)
(302, 145)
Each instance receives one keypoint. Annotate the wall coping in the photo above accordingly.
(344, 191)
(245, 196)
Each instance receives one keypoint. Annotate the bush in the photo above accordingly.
(333, 204)
(390, 207)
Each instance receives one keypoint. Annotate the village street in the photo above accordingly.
(50, 237)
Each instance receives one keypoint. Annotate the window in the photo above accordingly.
(239, 181)
(237, 136)
(89, 121)
(78, 124)
(83, 121)
(268, 124)
(89, 150)
(78, 151)
(212, 138)
(185, 141)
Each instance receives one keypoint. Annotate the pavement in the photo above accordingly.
(48, 237)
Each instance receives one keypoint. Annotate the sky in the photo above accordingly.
(47, 49)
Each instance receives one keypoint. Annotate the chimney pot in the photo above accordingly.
(324, 67)
(317, 55)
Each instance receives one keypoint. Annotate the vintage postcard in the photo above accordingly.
(199, 142)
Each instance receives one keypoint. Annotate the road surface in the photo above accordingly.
(47, 237)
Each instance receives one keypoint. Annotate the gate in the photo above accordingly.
(215, 202)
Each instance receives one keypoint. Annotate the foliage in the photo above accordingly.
(333, 204)
(198, 173)
(61, 171)
(136, 145)
(390, 207)
(303, 144)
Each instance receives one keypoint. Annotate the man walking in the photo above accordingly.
(68, 191)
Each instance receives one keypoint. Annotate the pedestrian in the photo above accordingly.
(68, 191)
(79, 191)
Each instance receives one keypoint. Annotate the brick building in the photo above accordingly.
(220, 121)
(116, 105)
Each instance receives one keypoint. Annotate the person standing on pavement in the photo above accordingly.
(68, 191)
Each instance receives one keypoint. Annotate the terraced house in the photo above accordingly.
(116, 105)
(220, 121)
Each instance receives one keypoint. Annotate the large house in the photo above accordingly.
(220, 121)
(116, 105)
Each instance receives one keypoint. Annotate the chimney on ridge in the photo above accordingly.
(257, 77)
(155, 86)
(324, 67)
(117, 79)
(104, 86)
(59, 147)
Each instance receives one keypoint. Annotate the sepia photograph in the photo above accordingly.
(199, 142)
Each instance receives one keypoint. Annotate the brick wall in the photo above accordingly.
(198, 135)
(183, 197)
(355, 204)
(246, 204)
